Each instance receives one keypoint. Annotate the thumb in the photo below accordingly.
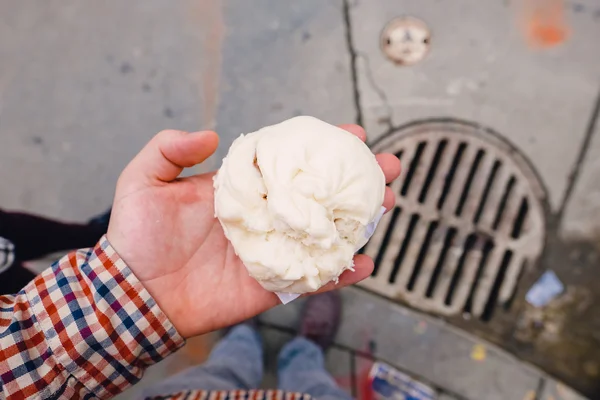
(168, 153)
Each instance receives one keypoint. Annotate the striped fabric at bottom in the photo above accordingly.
(233, 395)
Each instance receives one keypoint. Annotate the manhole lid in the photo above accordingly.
(468, 221)
(405, 40)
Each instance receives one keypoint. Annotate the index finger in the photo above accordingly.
(356, 130)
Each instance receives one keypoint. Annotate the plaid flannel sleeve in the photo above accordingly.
(84, 328)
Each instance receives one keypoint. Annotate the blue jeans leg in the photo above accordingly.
(301, 368)
(236, 362)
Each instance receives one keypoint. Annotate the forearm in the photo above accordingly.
(85, 326)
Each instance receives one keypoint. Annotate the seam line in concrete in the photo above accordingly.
(380, 92)
(539, 390)
(576, 170)
(353, 372)
(369, 356)
(353, 56)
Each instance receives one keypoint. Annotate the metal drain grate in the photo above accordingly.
(468, 221)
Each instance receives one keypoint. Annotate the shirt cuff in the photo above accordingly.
(102, 325)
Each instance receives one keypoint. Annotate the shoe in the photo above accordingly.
(321, 318)
(101, 221)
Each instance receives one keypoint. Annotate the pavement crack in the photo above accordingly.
(583, 151)
(387, 118)
(539, 390)
(353, 56)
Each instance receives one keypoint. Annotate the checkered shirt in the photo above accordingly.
(234, 395)
(84, 328)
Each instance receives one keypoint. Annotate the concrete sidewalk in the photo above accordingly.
(84, 85)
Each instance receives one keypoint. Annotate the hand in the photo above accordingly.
(165, 230)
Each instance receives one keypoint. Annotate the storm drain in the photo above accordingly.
(468, 221)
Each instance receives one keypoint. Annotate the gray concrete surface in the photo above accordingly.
(480, 69)
(339, 363)
(585, 198)
(425, 347)
(84, 85)
(282, 59)
(445, 396)
(553, 390)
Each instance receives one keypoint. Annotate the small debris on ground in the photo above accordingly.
(389, 383)
(544, 290)
(478, 353)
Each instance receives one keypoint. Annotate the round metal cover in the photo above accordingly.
(469, 220)
(405, 40)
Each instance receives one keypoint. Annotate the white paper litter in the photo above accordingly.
(547, 287)
(369, 230)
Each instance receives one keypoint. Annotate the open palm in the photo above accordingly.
(165, 230)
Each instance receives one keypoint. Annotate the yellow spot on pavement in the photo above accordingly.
(478, 353)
